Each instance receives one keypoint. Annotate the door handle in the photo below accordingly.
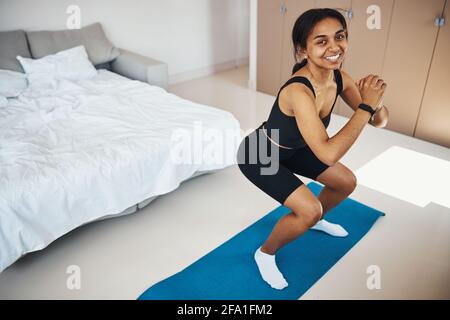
(347, 12)
(439, 21)
(283, 8)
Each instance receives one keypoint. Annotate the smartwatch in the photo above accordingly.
(367, 108)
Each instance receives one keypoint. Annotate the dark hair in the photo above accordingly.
(304, 25)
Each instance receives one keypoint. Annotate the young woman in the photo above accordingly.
(295, 134)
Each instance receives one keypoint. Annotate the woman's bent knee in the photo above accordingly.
(304, 204)
(312, 216)
(310, 213)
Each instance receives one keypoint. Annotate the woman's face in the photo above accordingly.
(327, 44)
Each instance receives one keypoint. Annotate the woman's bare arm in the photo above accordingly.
(328, 150)
(352, 97)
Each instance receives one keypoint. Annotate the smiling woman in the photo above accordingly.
(328, 43)
(295, 133)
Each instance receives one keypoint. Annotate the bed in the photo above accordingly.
(98, 148)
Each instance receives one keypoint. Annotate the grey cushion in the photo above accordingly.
(98, 47)
(12, 44)
(137, 67)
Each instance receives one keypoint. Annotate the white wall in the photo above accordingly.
(195, 37)
(253, 37)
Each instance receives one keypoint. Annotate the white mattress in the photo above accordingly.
(91, 149)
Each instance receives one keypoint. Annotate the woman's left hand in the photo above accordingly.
(380, 118)
(359, 84)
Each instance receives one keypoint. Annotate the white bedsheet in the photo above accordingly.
(84, 150)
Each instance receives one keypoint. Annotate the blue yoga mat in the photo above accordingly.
(230, 272)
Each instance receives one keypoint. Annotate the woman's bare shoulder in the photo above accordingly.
(299, 87)
(295, 89)
(293, 93)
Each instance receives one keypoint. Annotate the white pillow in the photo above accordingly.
(12, 83)
(72, 64)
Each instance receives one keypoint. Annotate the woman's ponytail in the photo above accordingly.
(299, 65)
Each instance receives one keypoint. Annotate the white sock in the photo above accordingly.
(269, 270)
(330, 228)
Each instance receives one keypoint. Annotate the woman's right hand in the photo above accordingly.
(372, 90)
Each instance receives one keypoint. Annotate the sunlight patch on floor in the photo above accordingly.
(408, 175)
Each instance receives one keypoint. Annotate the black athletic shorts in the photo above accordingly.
(274, 173)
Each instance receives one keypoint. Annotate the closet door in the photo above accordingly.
(434, 116)
(412, 37)
(366, 43)
(269, 44)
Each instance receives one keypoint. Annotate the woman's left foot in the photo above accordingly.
(330, 228)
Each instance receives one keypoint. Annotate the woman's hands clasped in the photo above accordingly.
(372, 90)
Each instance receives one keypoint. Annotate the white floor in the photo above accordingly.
(120, 258)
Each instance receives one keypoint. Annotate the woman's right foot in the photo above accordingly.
(269, 270)
(331, 228)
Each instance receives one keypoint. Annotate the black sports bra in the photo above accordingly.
(289, 134)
